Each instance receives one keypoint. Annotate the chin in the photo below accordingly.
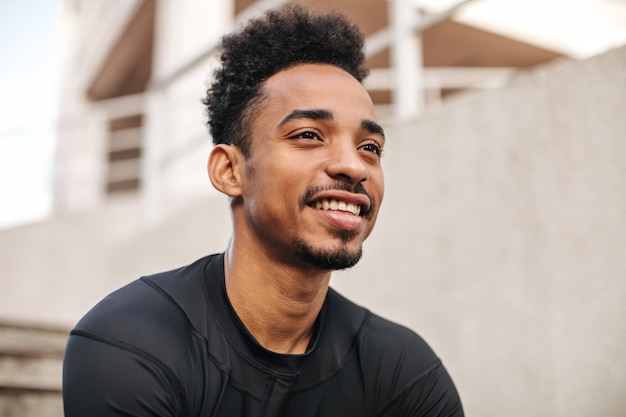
(329, 259)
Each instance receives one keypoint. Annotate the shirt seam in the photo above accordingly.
(222, 367)
(110, 341)
(408, 386)
(345, 359)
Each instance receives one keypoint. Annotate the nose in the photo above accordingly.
(345, 163)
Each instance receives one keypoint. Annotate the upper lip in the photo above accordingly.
(339, 195)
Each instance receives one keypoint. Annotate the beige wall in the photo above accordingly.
(502, 241)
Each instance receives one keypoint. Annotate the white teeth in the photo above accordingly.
(332, 204)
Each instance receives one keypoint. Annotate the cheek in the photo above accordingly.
(378, 185)
(283, 172)
(271, 186)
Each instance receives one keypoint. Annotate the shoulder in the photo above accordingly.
(380, 338)
(138, 349)
(401, 372)
(148, 315)
(408, 376)
(391, 340)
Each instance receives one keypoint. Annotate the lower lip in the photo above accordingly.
(341, 219)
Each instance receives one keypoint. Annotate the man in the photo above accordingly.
(256, 331)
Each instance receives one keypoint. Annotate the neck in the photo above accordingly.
(277, 303)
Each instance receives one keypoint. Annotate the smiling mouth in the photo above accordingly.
(337, 205)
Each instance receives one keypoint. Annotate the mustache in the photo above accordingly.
(357, 188)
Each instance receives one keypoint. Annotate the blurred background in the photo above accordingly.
(502, 239)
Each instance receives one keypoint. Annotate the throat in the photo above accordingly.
(280, 312)
(277, 330)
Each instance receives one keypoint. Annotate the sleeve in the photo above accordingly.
(430, 395)
(107, 378)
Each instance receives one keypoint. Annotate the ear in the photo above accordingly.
(224, 169)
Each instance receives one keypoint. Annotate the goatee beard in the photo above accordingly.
(328, 259)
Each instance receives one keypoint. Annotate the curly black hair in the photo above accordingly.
(278, 40)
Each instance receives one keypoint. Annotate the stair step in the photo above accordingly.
(31, 366)
(31, 373)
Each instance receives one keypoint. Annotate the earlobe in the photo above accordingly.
(223, 169)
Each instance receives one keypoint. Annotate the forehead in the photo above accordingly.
(317, 86)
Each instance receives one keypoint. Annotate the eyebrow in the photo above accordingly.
(373, 127)
(323, 114)
(312, 114)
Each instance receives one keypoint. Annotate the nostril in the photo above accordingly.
(344, 177)
(349, 179)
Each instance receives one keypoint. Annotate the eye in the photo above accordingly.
(373, 148)
(306, 134)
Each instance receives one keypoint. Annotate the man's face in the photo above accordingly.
(313, 183)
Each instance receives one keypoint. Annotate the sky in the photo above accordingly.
(29, 72)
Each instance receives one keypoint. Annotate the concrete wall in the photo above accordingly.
(502, 241)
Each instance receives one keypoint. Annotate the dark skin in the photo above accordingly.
(314, 143)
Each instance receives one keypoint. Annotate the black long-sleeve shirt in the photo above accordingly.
(172, 345)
